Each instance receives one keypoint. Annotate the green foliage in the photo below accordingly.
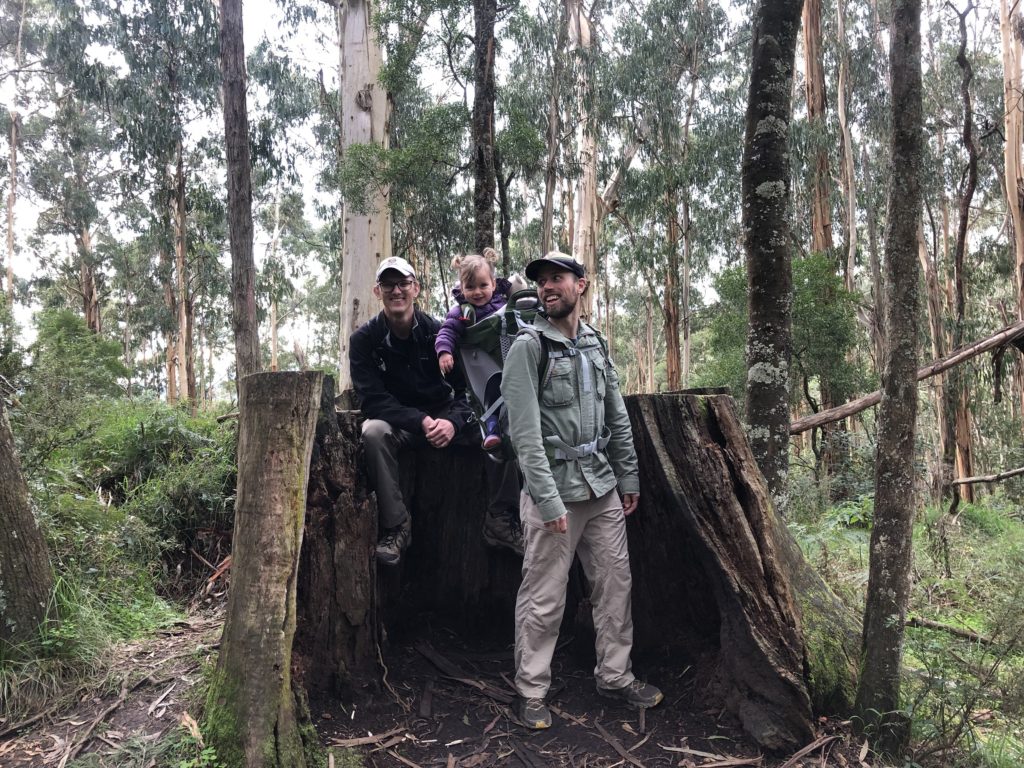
(824, 332)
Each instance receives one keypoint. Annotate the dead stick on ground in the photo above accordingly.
(362, 741)
(25, 723)
(966, 634)
(816, 744)
(617, 746)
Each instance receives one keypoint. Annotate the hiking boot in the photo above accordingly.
(393, 542)
(637, 694)
(503, 529)
(534, 713)
(491, 443)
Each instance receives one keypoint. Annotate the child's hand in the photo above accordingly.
(447, 362)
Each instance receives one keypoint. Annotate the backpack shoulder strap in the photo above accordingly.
(545, 352)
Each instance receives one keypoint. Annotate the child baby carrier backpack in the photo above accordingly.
(482, 352)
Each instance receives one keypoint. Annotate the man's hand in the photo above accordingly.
(561, 525)
(439, 432)
(629, 503)
(447, 362)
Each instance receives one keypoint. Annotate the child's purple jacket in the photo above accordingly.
(453, 327)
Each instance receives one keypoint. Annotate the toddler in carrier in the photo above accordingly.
(479, 293)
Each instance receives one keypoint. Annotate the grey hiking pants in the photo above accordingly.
(597, 532)
(383, 443)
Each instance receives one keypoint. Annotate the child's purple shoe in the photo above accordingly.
(491, 443)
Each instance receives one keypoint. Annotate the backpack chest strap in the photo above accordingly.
(565, 452)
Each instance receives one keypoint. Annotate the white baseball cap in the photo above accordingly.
(398, 264)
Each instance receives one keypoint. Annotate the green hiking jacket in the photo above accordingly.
(575, 405)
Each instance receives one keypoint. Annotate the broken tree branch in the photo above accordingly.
(998, 339)
(990, 478)
(966, 634)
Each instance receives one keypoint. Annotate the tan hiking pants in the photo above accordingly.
(597, 532)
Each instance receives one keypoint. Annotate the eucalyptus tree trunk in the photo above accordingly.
(12, 159)
(236, 140)
(181, 275)
(943, 413)
(877, 319)
(581, 32)
(87, 281)
(965, 464)
(553, 144)
(252, 715)
(1013, 163)
(814, 87)
(766, 193)
(848, 176)
(878, 702)
(365, 112)
(274, 243)
(26, 580)
(170, 338)
(484, 182)
(673, 372)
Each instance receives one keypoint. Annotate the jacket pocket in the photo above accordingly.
(559, 388)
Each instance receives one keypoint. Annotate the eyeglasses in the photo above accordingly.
(402, 285)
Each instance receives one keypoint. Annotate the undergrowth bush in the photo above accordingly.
(124, 491)
(966, 697)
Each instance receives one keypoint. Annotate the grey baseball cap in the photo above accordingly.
(560, 260)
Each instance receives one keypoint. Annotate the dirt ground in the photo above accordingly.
(446, 705)
(442, 704)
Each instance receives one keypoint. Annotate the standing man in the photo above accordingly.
(407, 402)
(575, 447)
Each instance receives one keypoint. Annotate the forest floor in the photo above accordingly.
(142, 693)
(442, 705)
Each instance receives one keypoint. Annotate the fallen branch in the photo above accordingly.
(617, 746)
(814, 745)
(989, 478)
(362, 741)
(401, 759)
(966, 634)
(25, 723)
(454, 672)
(225, 417)
(1005, 336)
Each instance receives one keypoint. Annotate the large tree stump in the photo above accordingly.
(338, 626)
(252, 715)
(714, 569)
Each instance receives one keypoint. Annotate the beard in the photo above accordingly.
(562, 308)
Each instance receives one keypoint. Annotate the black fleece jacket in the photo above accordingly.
(399, 381)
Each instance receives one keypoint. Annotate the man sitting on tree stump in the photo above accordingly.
(408, 403)
(572, 435)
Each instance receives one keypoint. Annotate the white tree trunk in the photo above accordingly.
(364, 115)
(848, 177)
(584, 243)
(274, 241)
(12, 163)
(1013, 119)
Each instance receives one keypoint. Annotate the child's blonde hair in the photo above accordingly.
(471, 263)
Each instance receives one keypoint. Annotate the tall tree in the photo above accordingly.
(582, 33)
(365, 112)
(766, 195)
(25, 577)
(878, 694)
(485, 45)
(236, 139)
(1013, 159)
